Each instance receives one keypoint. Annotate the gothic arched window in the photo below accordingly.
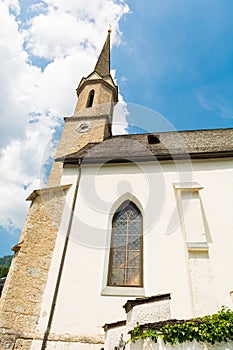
(126, 251)
(90, 98)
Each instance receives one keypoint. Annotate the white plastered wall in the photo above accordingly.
(81, 309)
(150, 345)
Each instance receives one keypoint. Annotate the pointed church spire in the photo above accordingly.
(103, 64)
(98, 87)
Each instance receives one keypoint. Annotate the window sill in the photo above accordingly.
(197, 246)
(124, 291)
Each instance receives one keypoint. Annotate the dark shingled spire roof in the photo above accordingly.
(103, 64)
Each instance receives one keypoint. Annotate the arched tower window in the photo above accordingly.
(90, 98)
(126, 252)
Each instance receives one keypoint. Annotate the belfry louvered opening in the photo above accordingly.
(90, 99)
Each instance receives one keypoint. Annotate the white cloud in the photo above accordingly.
(225, 112)
(216, 103)
(68, 25)
(204, 101)
(119, 118)
(13, 5)
(39, 6)
(21, 163)
(67, 33)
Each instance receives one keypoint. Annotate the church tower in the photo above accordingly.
(92, 118)
(23, 292)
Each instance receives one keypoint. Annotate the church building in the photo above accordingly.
(130, 228)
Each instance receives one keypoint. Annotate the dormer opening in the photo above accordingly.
(152, 139)
(90, 99)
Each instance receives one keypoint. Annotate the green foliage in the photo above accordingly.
(210, 329)
(138, 334)
(6, 260)
(4, 271)
(4, 265)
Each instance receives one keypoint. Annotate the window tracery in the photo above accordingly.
(125, 263)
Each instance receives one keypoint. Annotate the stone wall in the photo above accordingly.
(72, 141)
(100, 115)
(24, 287)
(103, 95)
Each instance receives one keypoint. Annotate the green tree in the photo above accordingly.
(6, 260)
(5, 263)
(4, 271)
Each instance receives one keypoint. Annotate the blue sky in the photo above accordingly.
(177, 57)
(172, 56)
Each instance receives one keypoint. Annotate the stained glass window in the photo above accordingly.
(125, 263)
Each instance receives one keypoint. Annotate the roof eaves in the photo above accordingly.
(158, 157)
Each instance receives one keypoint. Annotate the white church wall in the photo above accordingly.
(113, 337)
(64, 345)
(216, 202)
(80, 306)
(148, 344)
(148, 313)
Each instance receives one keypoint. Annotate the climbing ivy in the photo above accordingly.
(210, 329)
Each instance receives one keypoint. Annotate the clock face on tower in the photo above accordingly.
(83, 126)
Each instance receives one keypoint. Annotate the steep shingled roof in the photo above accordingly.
(166, 145)
(103, 64)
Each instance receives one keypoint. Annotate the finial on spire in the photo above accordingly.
(103, 64)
